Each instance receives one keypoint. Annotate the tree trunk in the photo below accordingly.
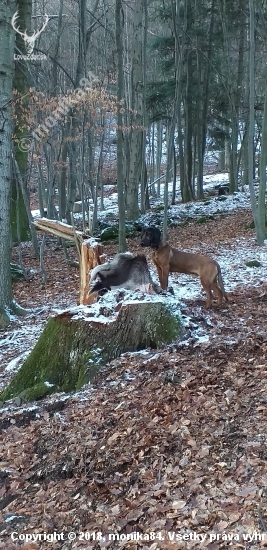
(63, 181)
(21, 83)
(260, 230)
(221, 161)
(261, 234)
(235, 99)
(74, 344)
(180, 55)
(179, 46)
(203, 114)
(170, 146)
(174, 176)
(23, 188)
(74, 119)
(143, 179)
(136, 104)
(189, 125)
(57, 49)
(121, 198)
(245, 175)
(159, 155)
(181, 156)
(6, 73)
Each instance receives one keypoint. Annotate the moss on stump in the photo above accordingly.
(74, 344)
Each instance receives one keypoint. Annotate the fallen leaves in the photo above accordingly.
(173, 441)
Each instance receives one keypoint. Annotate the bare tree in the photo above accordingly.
(179, 48)
(261, 233)
(258, 216)
(6, 74)
(204, 104)
(136, 159)
(21, 83)
(121, 200)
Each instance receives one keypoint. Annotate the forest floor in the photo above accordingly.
(168, 448)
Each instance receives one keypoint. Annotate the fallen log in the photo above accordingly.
(76, 342)
(58, 229)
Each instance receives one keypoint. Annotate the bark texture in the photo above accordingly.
(18, 215)
(137, 114)
(6, 73)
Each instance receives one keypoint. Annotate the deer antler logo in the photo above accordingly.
(29, 40)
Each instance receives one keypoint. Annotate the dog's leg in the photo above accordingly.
(220, 283)
(163, 273)
(218, 293)
(165, 277)
(207, 289)
(159, 271)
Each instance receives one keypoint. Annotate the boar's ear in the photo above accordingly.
(98, 287)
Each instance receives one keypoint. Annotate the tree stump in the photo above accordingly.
(76, 342)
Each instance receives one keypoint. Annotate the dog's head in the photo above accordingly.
(151, 236)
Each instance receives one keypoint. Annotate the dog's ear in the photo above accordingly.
(155, 236)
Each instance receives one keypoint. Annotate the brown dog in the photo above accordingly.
(169, 260)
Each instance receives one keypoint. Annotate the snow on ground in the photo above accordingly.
(213, 205)
(225, 203)
(232, 257)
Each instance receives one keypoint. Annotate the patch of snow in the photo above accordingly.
(200, 208)
(202, 340)
(92, 242)
(13, 518)
(14, 363)
(152, 358)
(141, 352)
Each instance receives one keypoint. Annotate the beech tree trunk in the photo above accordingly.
(137, 112)
(257, 214)
(21, 83)
(262, 214)
(6, 73)
(76, 342)
(120, 182)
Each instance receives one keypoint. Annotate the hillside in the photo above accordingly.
(171, 441)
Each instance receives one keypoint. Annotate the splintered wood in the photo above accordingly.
(89, 250)
(91, 255)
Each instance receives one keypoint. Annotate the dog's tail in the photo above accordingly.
(220, 282)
